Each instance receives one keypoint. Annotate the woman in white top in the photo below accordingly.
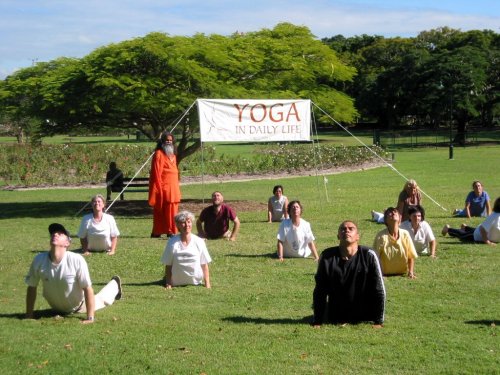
(186, 256)
(420, 231)
(98, 230)
(276, 205)
(295, 237)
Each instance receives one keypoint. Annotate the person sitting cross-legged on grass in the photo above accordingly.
(349, 283)
(66, 280)
(394, 246)
(477, 203)
(488, 232)
(186, 256)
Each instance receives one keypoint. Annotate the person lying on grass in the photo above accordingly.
(349, 283)
(295, 237)
(98, 230)
(394, 246)
(186, 256)
(420, 231)
(66, 280)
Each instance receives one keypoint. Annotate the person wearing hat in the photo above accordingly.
(66, 281)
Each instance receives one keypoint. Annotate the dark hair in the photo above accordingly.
(348, 221)
(475, 182)
(112, 165)
(416, 208)
(289, 207)
(275, 189)
(386, 213)
(496, 206)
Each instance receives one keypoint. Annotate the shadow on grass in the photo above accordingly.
(269, 255)
(138, 209)
(39, 209)
(244, 319)
(160, 282)
(484, 322)
(38, 314)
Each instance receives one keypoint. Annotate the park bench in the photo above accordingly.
(137, 185)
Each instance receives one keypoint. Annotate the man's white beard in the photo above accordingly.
(169, 149)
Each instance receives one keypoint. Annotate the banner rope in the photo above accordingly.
(377, 155)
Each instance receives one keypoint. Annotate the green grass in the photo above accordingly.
(253, 320)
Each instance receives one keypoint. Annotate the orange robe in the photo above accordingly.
(164, 192)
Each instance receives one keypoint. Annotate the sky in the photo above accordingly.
(42, 30)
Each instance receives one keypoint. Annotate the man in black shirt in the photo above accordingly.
(349, 284)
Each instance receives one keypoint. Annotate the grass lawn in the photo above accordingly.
(254, 319)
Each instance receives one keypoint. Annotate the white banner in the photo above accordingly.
(235, 120)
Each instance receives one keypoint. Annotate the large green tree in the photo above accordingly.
(147, 83)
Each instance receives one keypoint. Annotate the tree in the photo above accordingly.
(147, 83)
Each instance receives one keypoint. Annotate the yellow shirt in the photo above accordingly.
(394, 254)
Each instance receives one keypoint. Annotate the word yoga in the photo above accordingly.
(254, 120)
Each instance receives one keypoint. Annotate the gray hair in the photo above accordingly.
(182, 216)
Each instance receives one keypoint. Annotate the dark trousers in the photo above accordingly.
(465, 234)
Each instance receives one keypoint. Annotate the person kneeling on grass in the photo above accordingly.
(488, 232)
(349, 283)
(186, 256)
(394, 246)
(66, 280)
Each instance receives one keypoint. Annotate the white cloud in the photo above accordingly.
(32, 29)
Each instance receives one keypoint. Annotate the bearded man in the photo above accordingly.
(164, 191)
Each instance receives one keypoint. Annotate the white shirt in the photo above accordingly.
(278, 208)
(63, 283)
(492, 227)
(98, 234)
(295, 239)
(422, 237)
(186, 261)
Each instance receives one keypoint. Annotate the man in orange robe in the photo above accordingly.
(164, 191)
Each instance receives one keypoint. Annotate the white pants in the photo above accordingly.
(104, 298)
(378, 217)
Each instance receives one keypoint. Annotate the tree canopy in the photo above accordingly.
(147, 83)
(442, 76)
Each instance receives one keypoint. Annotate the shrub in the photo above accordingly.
(26, 165)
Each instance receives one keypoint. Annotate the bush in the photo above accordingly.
(26, 165)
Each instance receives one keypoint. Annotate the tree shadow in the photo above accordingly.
(485, 322)
(39, 209)
(243, 319)
(125, 208)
